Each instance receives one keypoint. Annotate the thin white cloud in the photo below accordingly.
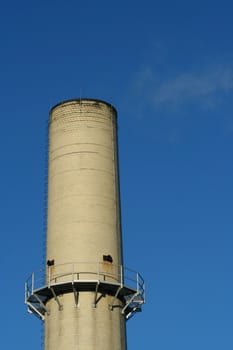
(202, 88)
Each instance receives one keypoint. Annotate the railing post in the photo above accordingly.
(98, 270)
(137, 283)
(33, 279)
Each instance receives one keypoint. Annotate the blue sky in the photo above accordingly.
(167, 66)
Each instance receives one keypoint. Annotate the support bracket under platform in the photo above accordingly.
(95, 295)
(76, 295)
(111, 306)
(60, 307)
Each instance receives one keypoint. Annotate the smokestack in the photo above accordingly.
(86, 294)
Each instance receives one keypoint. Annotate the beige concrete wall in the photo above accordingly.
(84, 327)
(83, 220)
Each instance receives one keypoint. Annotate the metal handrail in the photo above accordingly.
(120, 274)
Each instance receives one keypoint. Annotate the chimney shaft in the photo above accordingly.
(86, 294)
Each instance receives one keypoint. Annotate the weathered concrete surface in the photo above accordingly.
(83, 220)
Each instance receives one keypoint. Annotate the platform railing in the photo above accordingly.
(85, 271)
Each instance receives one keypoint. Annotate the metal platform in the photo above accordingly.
(101, 278)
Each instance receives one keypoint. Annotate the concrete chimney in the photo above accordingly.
(86, 294)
